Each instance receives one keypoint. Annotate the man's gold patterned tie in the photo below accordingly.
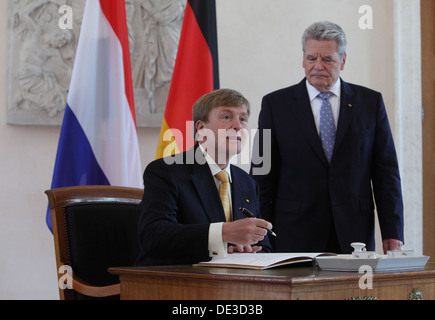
(223, 193)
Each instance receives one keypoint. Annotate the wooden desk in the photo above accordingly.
(197, 283)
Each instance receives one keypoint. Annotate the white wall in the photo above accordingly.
(260, 51)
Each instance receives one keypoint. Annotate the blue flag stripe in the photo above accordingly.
(76, 164)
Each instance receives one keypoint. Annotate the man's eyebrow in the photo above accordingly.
(231, 111)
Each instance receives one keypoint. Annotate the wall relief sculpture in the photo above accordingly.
(41, 57)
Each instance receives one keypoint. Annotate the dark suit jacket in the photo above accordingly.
(303, 195)
(180, 201)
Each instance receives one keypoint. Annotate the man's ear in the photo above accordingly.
(343, 62)
(199, 125)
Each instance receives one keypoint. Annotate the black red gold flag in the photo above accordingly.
(196, 73)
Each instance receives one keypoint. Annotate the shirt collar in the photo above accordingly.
(214, 168)
(313, 92)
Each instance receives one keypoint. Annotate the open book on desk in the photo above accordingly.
(260, 261)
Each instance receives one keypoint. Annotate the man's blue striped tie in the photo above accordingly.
(327, 125)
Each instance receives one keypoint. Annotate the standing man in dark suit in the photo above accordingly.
(183, 219)
(332, 151)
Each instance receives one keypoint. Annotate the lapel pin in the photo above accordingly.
(349, 105)
(247, 200)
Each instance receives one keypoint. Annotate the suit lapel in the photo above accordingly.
(239, 197)
(207, 192)
(304, 114)
(346, 114)
(306, 119)
(206, 189)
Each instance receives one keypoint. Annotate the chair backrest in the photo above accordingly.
(94, 228)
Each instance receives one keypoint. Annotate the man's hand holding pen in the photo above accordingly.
(249, 214)
(244, 233)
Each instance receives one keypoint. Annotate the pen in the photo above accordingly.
(249, 214)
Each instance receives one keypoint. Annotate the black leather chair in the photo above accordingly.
(94, 228)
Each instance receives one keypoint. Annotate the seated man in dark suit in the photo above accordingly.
(186, 214)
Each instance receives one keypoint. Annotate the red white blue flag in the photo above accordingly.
(98, 142)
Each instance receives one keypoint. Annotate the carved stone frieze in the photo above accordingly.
(41, 57)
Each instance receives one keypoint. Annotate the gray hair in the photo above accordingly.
(325, 30)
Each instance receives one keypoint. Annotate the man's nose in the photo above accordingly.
(236, 124)
(318, 65)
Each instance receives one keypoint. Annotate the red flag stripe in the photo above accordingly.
(116, 16)
(193, 72)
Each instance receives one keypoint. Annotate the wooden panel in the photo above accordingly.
(191, 289)
(190, 283)
(382, 290)
(428, 85)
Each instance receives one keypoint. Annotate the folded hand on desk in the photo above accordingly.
(246, 249)
(391, 244)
